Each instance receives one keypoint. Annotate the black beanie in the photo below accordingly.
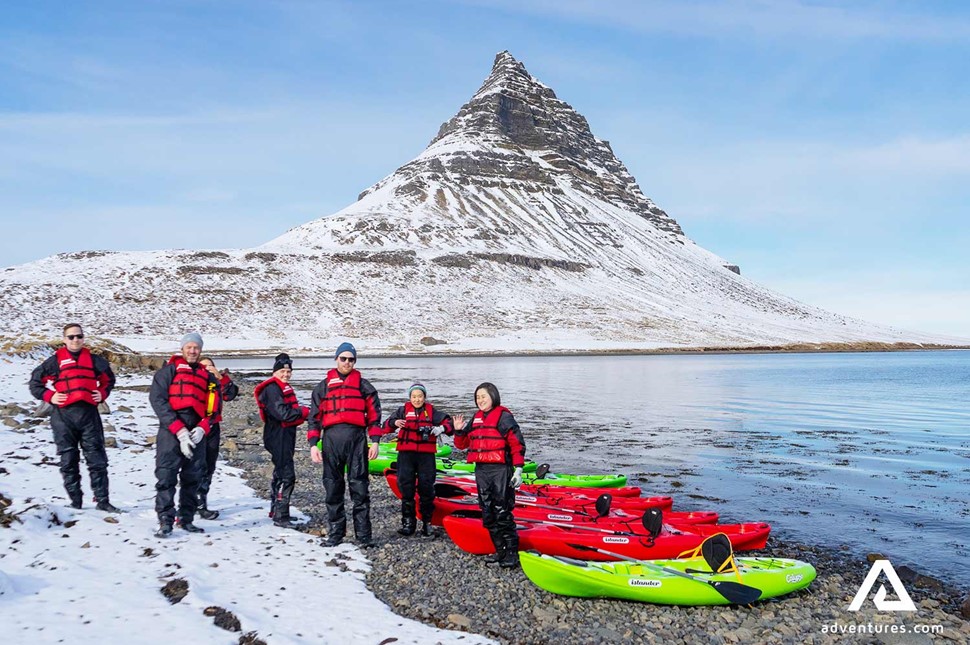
(282, 360)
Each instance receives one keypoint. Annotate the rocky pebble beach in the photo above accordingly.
(431, 580)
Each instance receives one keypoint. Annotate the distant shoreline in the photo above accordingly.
(117, 351)
(813, 348)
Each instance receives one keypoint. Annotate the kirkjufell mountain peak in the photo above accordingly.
(513, 135)
(516, 229)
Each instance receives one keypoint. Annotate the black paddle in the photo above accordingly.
(734, 592)
(584, 527)
(541, 471)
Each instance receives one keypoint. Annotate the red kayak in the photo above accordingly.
(582, 502)
(563, 496)
(450, 499)
(557, 539)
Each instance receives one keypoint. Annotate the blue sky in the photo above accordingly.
(822, 146)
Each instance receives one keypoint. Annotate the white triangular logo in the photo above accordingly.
(905, 603)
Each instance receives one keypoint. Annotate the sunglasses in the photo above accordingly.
(346, 359)
(74, 336)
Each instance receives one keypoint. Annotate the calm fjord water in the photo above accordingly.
(869, 450)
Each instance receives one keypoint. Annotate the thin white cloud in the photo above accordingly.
(763, 18)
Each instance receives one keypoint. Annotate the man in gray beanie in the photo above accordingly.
(179, 396)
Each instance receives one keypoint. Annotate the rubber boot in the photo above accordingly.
(187, 525)
(77, 498)
(426, 530)
(500, 549)
(164, 530)
(282, 517)
(108, 507)
(407, 526)
(335, 533)
(204, 511)
(509, 560)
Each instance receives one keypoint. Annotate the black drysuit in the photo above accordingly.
(413, 464)
(345, 448)
(496, 496)
(280, 441)
(77, 425)
(171, 466)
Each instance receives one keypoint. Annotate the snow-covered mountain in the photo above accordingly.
(516, 228)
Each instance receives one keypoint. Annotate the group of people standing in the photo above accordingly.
(187, 395)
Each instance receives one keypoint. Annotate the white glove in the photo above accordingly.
(516, 480)
(197, 434)
(437, 430)
(185, 442)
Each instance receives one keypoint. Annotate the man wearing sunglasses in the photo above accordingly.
(345, 409)
(74, 382)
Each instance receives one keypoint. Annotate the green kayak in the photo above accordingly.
(391, 447)
(450, 466)
(388, 458)
(641, 582)
(548, 479)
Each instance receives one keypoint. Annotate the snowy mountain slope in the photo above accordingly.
(515, 229)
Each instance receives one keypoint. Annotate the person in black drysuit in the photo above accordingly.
(418, 425)
(281, 414)
(225, 391)
(345, 408)
(74, 381)
(496, 447)
(178, 395)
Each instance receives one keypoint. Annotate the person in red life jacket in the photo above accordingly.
(74, 382)
(495, 445)
(179, 396)
(418, 425)
(224, 390)
(281, 414)
(346, 409)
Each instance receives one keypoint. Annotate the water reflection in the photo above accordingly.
(869, 450)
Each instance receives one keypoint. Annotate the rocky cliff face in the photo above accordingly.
(516, 228)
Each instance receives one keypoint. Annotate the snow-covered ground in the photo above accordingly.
(75, 576)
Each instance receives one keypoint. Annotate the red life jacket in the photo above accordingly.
(190, 387)
(75, 378)
(488, 446)
(344, 402)
(409, 437)
(289, 398)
